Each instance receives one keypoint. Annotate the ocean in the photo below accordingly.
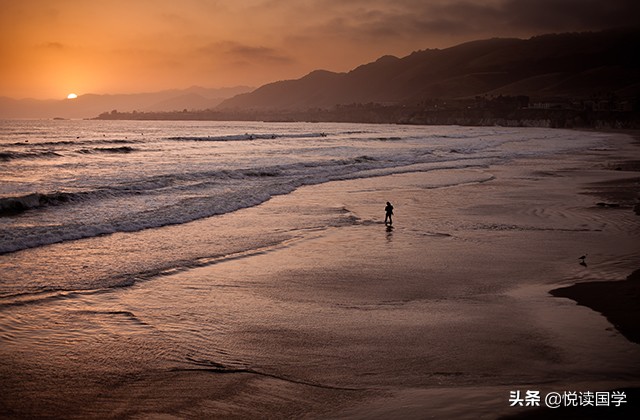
(156, 269)
(88, 205)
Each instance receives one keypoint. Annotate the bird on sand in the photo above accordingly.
(582, 260)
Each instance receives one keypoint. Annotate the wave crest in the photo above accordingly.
(15, 205)
(12, 155)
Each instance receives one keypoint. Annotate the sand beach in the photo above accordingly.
(442, 315)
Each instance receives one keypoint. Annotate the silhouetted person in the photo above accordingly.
(388, 212)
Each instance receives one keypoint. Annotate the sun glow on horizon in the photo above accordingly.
(72, 96)
(123, 47)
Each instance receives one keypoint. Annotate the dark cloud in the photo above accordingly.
(570, 15)
(247, 53)
(54, 46)
(472, 18)
(175, 19)
(260, 53)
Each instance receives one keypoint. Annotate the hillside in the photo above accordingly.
(575, 65)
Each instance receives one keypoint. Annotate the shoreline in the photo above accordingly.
(618, 301)
(404, 115)
(442, 315)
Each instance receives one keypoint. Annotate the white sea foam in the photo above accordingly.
(183, 171)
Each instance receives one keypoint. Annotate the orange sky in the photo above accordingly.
(50, 48)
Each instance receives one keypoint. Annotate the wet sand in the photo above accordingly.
(440, 316)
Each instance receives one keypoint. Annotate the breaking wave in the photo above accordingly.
(10, 206)
(199, 196)
(11, 155)
(248, 137)
(121, 149)
(75, 142)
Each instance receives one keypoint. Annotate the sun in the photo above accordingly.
(72, 96)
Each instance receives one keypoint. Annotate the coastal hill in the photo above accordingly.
(572, 65)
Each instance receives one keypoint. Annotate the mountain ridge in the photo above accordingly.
(569, 65)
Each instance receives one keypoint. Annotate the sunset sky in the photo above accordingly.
(53, 47)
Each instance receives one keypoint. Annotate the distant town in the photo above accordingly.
(606, 111)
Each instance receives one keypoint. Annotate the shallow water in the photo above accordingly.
(307, 303)
(61, 181)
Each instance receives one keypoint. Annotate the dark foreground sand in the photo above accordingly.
(440, 317)
(619, 301)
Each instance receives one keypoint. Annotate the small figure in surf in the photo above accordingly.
(388, 212)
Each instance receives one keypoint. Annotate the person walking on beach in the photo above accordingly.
(388, 211)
